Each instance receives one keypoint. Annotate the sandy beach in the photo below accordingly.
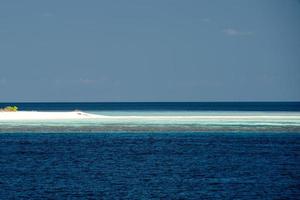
(78, 121)
(64, 115)
(37, 115)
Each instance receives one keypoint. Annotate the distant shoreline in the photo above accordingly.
(61, 115)
(78, 121)
(38, 115)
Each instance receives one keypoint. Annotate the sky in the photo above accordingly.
(149, 50)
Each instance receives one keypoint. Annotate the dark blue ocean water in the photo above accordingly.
(162, 106)
(151, 165)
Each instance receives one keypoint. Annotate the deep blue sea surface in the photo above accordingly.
(151, 164)
(161, 106)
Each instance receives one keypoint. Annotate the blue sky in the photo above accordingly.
(150, 50)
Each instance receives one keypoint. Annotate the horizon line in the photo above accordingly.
(149, 102)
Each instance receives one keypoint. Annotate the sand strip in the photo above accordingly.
(35, 115)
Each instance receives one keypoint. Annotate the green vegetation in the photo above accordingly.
(9, 109)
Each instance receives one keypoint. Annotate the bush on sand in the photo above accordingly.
(9, 109)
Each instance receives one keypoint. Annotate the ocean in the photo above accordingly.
(154, 155)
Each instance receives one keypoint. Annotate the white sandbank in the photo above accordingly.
(37, 115)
